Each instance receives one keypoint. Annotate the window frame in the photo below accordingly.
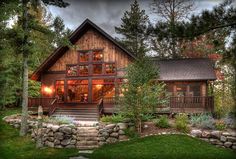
(67, 68)
(107, 63)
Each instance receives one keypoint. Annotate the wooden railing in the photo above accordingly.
(100, 107)
(109, 100)
(49, 104)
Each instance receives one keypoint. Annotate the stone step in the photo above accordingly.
(88, 138)
(87, 143)
(76, 113)
(87, 131)
(87, 135)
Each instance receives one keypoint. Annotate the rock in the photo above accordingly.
(72, 142)
(114, 134)
(74, 131)
(101, 143)
(65, 142)
(226, 134)
(58, 146)
(228, 144)
(49, 144)
(50, 133)
(110, 126)
(123, 137)
(58, 135)
(57, 142)
(111, 140)
(116, 129)
(105, 134)
(214, 141)
(216, 134)
(55, 128)
(223, 139)
(196, 133)
(65, 129)
(51, 139)
(122, 126)
(234, 147)
(109, 130)
(145, 126)
(121, 132)
(231, 139)
(101, 139)
(206, 134)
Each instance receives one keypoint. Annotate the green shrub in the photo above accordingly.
(220, 125)
(147, 117)
(59, 120)
(230, 120)
(181, 123)
(112, 118)
(131, 133)
(203, 121)
(162, 122)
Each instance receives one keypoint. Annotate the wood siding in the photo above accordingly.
(89, 41)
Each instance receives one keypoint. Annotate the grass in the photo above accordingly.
(12, 146)
(160, 147)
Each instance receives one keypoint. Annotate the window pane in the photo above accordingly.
(97, 69)
(77, 91)
(84, 56)
(110, 68)
(181, 90)
(194, 89)
(72, 70)
(60, 91)
(97, 56)
(83, 70)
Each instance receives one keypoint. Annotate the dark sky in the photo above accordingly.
(107, 13)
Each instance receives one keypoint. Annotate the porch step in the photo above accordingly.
(78, 114)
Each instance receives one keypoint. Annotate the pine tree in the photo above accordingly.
(133, 29)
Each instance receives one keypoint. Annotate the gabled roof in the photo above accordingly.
(79, 32)
(191, 69)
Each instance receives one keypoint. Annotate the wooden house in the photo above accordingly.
(85, 78)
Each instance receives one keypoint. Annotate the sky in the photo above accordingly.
(108, 13)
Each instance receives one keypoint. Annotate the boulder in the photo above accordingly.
(114, 134)
(54, 128)
(234, 147)
(57, 142)
(65, 129)
(72, 142)
(231, 139)
(226, 133)
(58, 146)
(214, 141)
(105, 134)
(206, 134)
(111, 140)
(49, 144)
(74, 131)
(101, 139)
(196, 133)
(216, 134)
(51, 139)
(50, 133)
(228, 144)
(223, 139)
(122, 126)
(121, 132)
(115, 129)
(110, 126)
(58, 135)
(65, 142)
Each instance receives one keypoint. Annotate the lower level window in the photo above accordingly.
(97, 69)
(77, 91)
(60, 91)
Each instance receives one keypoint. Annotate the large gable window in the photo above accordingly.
(72, 70)
(97, 56)
(84, 56)
(97, 69)
(83, 70)
(110, 68)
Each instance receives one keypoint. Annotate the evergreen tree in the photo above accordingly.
(133, 29)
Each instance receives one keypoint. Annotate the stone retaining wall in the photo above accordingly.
(218, 138)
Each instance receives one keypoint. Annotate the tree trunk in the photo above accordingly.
(24, 125)
(25, 51)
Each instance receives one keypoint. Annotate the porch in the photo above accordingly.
(183, 104)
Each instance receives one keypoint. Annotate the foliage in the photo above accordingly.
(112, 118)
(162, 147)
(59, 120)
(133, 30)
(181, 123)
(131, 133)
(34, 88)
(141, 94)
(230, 120)
(147, 116)
(162, 122)
(204, 121)
(220, 125)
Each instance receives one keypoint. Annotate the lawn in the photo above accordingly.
(166, 146)
(14, 147)
(160, 147)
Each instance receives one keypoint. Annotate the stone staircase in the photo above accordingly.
(87, 138)
(78, 113)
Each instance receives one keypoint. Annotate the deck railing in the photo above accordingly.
(49, 104)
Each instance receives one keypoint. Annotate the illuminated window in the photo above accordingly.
(84, 56)
(97, 69)
(97, 56)
(77, 91)
(60, 91)
(83, 70)
(110, 68)
(72, 70)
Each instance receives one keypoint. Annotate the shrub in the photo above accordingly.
(131, 133)
(204, 121)
(220, 125)
(181, 123)
(59, 120)
(162, 122)
(230, 120)
(112, 118)
(147, 117)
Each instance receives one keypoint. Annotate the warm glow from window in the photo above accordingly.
(98, 86)
(47, 90)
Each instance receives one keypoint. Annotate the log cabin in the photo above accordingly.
(83, 81)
